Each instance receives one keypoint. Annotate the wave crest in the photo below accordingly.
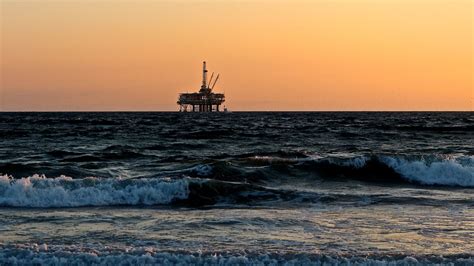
(430, 170)
(63, 191)
(450, 172)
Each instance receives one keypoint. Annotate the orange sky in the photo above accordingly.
(272, 55)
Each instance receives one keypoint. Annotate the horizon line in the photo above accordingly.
(238, 111)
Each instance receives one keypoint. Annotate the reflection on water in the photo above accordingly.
(353, 230)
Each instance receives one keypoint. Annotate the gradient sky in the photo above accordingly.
(272, 55)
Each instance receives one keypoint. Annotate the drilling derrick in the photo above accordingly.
(205, 100)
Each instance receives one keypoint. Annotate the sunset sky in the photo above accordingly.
(137, 55)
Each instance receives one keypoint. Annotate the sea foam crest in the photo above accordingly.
(63, 191)
(452, 172)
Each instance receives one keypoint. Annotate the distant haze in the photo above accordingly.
(272, 55)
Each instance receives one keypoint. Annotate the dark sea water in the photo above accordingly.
(237, 188)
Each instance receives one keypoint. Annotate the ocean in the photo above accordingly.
(240, 188)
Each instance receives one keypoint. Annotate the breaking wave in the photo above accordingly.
(434, 170)
(40, 191)
(447, 172)
(63, 192)
(248, 181)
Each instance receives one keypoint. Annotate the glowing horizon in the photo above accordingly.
(281, 55)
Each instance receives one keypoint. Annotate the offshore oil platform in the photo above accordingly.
(205, 100)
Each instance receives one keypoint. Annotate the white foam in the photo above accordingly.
(40, 191)
(150, 256)
(446, 172)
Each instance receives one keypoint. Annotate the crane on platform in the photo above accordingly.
(215, 81)
(210, 80)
